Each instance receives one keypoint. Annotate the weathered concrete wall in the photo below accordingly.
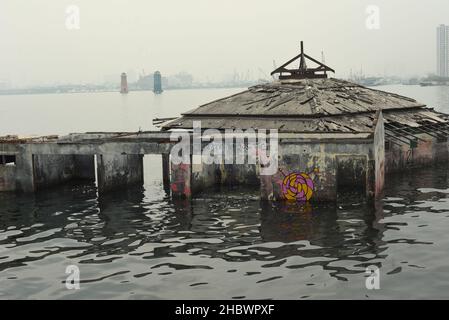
(308, 171)
(243, 170)
(181, 177)
(352, 173)
(7, 171)
(325, 165)
(204, 176)
(441, 151)
(231, 171)
(375, 188)
(404, 157)
(51, 170)
(118, 171)
(34, 171)
(7, 178)
(24, 170)
(82, 166)
(245, 174)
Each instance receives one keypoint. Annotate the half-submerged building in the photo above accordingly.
(333, 135)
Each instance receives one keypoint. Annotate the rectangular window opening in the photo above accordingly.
(7, 160)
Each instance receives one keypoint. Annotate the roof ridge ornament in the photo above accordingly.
(303, 72)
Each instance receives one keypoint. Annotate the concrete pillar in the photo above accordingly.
(7, 168)
(266, 188)
(24, 170)
(180, 180)
(379, 157)
(118, 171)
(166, 172)
(371, 180)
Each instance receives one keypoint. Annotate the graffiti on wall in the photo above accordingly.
(181, 180)
(298, 186)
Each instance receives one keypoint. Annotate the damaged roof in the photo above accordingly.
(307, 97)
(306, 105)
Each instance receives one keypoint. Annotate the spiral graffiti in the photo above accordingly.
(298, 187)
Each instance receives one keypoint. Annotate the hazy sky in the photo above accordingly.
(211, 38)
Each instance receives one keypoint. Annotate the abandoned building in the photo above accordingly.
(333, 135)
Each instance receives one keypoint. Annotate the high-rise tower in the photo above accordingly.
(124, 84)
(157, 82)
(443, 51)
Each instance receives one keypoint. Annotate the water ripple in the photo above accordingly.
(139, 244)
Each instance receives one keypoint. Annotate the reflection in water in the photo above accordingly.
(139, 243)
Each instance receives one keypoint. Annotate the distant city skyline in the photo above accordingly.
(44, 43)
(144, 80)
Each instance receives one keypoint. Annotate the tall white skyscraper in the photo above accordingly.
(443, 51)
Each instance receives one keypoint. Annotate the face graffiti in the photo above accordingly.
(298, 187)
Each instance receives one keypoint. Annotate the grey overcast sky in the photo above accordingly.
(211, 38)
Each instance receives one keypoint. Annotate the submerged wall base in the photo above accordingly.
(312, 168)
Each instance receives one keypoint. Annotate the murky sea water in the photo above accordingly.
(139, 244)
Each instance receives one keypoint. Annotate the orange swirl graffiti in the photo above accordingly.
(297, 187)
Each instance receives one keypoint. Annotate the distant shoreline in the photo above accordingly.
(40, 92)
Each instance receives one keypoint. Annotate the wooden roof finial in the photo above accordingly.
(303, 72)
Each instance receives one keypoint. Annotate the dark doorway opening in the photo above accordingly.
(351, 175)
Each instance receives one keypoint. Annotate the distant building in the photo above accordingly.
(123, 84)
(180, 80)
(443, 51)
(157, 82)
(146, 82)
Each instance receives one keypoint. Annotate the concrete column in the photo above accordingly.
(379, 157)
(118, 171)
(276, 184)
(180, 184)
(166, 172)
(266, 188)
(24, 170)
(371, 180)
